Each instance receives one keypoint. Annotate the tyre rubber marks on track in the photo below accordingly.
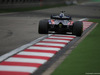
(31, 58)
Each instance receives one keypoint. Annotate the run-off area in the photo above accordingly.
(30, 59)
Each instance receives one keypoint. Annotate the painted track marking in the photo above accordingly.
(36, 54)
(27, 60)
(43, 48)
(17, 68)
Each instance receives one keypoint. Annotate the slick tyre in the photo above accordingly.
(78, 28)
(43, 27)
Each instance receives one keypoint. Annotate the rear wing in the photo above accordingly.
(61, 18)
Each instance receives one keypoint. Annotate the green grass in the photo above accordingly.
(85, 58)
(30, 8)
(95, 0)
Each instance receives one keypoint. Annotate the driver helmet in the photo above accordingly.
(61, 15)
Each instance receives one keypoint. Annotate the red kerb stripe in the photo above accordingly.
(48, 46)
(59, 39)
(13, 73)
(44, 51)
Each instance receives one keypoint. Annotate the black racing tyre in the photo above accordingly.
(78, 28)
(43, 26)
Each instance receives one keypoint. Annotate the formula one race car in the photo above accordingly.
(61, 24)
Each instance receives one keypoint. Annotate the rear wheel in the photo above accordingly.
(78, 28)
(43, 26)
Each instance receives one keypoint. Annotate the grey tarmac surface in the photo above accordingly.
(17, 29)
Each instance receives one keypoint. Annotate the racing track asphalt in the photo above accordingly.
(17, 29)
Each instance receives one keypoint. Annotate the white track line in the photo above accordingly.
(17, 68)
(51, 44)
(44, 48)
(53, 40)
(26, 60)
(36, 54)
(83, 19)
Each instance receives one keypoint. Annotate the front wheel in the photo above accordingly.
(77, 28)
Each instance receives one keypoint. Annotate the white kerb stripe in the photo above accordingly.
(27, 60)
(52, 40)
(17, 68)
(61, 37)
(44, 48)
(36, 54)
(51, 44)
